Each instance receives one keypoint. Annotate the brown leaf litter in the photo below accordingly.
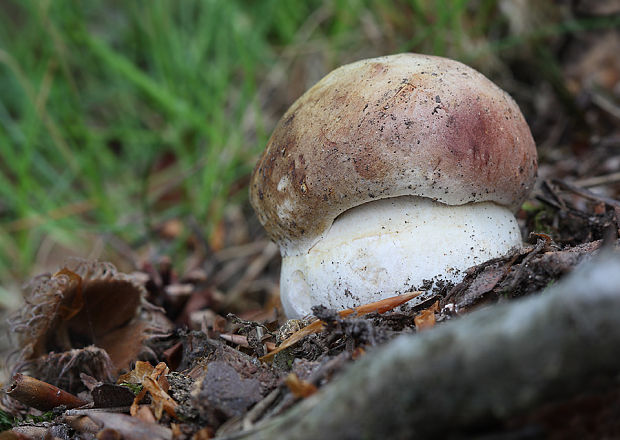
(86, 318)
(217, 388)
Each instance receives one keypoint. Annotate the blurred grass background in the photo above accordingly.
(120, 117)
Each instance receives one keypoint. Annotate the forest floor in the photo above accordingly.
(214, 335)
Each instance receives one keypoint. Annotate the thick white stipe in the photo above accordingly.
(386, 247)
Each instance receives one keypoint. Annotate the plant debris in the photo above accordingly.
(152, 380)
(86, 318)
(221, 386)
(40, 395)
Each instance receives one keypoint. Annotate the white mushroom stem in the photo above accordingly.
(390, 246)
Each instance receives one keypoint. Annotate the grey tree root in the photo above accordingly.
(488, 366)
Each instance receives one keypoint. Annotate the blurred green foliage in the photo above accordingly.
(118, 115)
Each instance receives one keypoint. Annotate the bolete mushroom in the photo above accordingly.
(389, 173)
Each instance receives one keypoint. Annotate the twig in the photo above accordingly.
(548, 189)
(259, 409)
(606, 103)
(553, 199)
(242, 341)
(541, 244)
(87, 411)
(587, 193)
(607, 179)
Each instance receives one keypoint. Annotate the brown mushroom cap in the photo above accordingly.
(398, 125)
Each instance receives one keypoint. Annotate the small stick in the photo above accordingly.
(236, 339)
(587, 193)
(80, 412)
(41, 395)
(259, 409)
(242, 341)
(381, 306)
(607, 179)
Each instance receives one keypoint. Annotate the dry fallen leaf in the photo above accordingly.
(299, 388)
(87, 317)
(153, 381)
(145, 414)
(426, 318)
(242, 341)
(160, 399)
(140, 371)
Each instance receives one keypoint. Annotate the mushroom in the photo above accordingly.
(389, 174)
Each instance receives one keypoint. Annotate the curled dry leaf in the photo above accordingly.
(145, 414)
(143, 370)
(426, 318)
(84, 306)
(153, 381)
(161, 401)
(300, 388)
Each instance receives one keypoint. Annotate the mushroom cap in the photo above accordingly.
(397, 125)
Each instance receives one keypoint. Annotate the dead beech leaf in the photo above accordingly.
(87, 316)
(314, 327)
(145, 414)
(299, 388)
(426, 318)
(153, 381)
(381, 306)
(546, 237)
(159, 375)
(135, 406)
(137, 375)
(161, 399)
